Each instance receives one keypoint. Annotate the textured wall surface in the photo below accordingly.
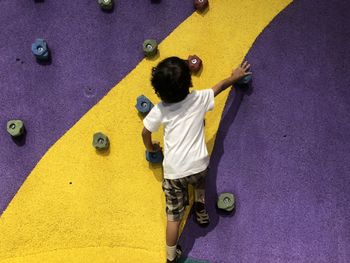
(91, 51)
(283, 150)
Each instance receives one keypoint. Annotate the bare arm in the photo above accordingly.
(147, 141)
(237, 74)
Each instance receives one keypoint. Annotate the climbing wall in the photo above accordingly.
(61, 200)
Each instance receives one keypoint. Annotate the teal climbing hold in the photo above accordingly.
(143, 104)
(245, 80)
(40, 49)
(154, 157)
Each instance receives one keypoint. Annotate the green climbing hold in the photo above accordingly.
(150, 47)
(15, 128)
(106, 4)
(226, 201)
(100, 141)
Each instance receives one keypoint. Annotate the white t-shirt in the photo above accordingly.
(185, 150)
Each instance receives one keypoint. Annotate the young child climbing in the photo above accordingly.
(186, 158)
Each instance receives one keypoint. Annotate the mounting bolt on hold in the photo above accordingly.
(150, 47)
(100, 141)
(226, 202)
(143, 104)
(106, 4)
(15, 128)
(40, 49)
(194, 63)
(201, 5)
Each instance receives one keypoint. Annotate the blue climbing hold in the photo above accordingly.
(40, 49)
(154, 157)
(143, 104)
(245, 80)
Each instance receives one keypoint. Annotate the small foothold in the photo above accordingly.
(143, 104)
(194, 63)
(201, 5)
(150, 47)
(100, 141)
(154, 157)
(40, 49)
(15, 128)
(226, 201)
(106, 4)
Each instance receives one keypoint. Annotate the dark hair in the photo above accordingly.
(171, 79)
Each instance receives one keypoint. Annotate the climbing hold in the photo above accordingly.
(106, 4)
(226, 201)
(143, 104)
(245, 80)
(40, 49)
(15, 128)
(201, 5)
(150, 47)
(154, 157)
(195, 63)
(100, 141)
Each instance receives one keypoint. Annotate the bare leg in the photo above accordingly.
(172, 232)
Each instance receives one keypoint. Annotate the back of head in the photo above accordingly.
(171, 79)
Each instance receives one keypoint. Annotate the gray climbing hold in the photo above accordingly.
(100, 141)
(150, 47)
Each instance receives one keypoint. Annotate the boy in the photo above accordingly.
(186, 157)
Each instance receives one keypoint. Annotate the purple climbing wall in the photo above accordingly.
(285, 149)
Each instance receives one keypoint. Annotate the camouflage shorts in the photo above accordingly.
(176, 193)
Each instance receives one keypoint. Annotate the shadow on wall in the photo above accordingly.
(20, 140)
(211, 187)
(157, 170)
(156, 1)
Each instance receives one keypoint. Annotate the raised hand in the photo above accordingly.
(241, 71)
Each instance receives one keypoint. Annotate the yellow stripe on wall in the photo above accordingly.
(113, 210)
